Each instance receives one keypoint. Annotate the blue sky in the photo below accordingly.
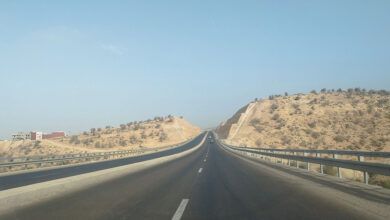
(74, 65)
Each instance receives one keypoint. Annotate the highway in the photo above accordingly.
(214, 183)
(27, 178)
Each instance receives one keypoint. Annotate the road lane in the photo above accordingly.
(149, 194)
(225, 186)
(233, 188)
(23, 179)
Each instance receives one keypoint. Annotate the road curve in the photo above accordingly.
(27, 178)
(212, 183)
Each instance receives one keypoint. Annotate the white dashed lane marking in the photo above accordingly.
(180, 210)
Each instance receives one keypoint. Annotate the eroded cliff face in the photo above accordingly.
(223, 130)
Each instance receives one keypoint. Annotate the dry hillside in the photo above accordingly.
(161, 131)
(352, 120)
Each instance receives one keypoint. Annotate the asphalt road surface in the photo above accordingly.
(210, 183)
(23, 179)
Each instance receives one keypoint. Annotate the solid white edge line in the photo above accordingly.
(180, 210)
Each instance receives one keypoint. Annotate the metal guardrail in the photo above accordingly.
(45, 159)
(291, 154)
(338, 152)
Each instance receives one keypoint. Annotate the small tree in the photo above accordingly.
(163, 137)
(85, 141)
(74, 139)
(274, 107)
(313, 91)
(123, 127)
(122, 143)
(323, 90)
(133, 139)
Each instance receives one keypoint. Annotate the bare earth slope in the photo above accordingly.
(337, 120)
(134, 135)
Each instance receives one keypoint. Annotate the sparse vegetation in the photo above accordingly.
(275, 117)
(339, 138)
(312, 124)
(351, 119)
(74, 140)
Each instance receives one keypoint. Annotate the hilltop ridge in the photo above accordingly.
(161, 131)
(355, 119)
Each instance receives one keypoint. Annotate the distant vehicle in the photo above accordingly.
(211, 141)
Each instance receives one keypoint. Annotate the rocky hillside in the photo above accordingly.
(355, 119)
(160, 131)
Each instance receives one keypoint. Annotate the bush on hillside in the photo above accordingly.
(122, 143)
(259, 143)
(339, 138)
(275, 117)
(315, 135)
(133, 139)
(254, 122)
(74, 139)
(97, 145)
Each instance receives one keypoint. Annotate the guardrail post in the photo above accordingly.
(297, 162)
(361, 159)
(335, 156)
(288, 160)
(307, 163)
(321, 166)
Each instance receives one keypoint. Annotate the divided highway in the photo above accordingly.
(214, 183)
(27, 178)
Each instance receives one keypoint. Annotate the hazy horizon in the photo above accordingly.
(72, 66)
